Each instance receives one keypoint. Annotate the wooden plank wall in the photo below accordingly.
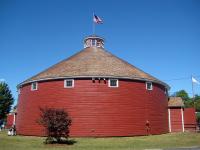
(190, 119)
(176, 120)
(96, 109)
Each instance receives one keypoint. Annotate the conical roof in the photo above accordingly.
(93, 62)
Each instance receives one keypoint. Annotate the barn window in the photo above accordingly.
(93, 42)
(113, 83)
(149, 86)
(69, 83)
(34, 86)
(18, 90)
(166, 91)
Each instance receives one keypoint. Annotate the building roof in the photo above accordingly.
(93, 62)
(175, 102)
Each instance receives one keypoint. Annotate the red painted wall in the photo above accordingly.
(190, 119)
(10, 118)
(176, 120)
(96, 109)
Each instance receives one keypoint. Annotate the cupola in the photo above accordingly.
(93, 41)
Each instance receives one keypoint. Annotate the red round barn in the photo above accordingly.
(103, 94)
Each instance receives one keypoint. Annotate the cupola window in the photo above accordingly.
(149, 86)
(93, 42)
(113, 83)
(34, 86)
(69, 83)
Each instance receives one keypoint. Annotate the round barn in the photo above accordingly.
(103, 94)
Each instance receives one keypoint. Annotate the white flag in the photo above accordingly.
(195, 80)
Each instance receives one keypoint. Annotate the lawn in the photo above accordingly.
(117, 143)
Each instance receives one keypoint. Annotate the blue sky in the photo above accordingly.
(161, 37)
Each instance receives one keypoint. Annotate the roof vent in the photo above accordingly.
(93, 41)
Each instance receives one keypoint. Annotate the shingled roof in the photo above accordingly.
(175, 102)
(93, 62)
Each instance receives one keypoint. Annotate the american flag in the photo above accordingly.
(97, 19)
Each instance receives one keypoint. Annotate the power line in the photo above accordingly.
(177, 91)
(181, 78)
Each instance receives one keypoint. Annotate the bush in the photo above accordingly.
(198, 117)
(56, 123)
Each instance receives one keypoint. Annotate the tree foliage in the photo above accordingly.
(197, 102)
(189, 102)
(56, 123)
(6, 100)
(198, 117)
(183, 94)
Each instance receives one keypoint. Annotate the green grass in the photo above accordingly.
(118, 143)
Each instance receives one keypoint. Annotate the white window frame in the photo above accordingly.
(19, 91)
(150, 89)
(65, 83)
(109, 82)
(32, 89)
(166, 91)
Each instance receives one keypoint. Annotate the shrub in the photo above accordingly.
(56, 123)
(198, 117)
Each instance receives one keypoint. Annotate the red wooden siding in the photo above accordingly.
(190, 119)
(176, 120)
(96, 109)
(10, 119)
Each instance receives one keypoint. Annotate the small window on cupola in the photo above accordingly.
(34, 86)
(93, 42)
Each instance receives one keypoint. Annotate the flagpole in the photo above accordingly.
(93, 24)
(193, 91)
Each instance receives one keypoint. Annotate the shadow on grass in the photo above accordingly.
(62, 142)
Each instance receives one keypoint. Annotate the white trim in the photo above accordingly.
(169, 119)
(113, 86)
(14, 119)
(118, 77)
(36, 86)
(182, 117)
(65, 83)
(19, 91)
(151, 87)
(93, 37)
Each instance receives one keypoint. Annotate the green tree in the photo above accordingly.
(198, 117)
(183, 94)
(189, 103)
(197, 97)
(197, 102)
(6, 100)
